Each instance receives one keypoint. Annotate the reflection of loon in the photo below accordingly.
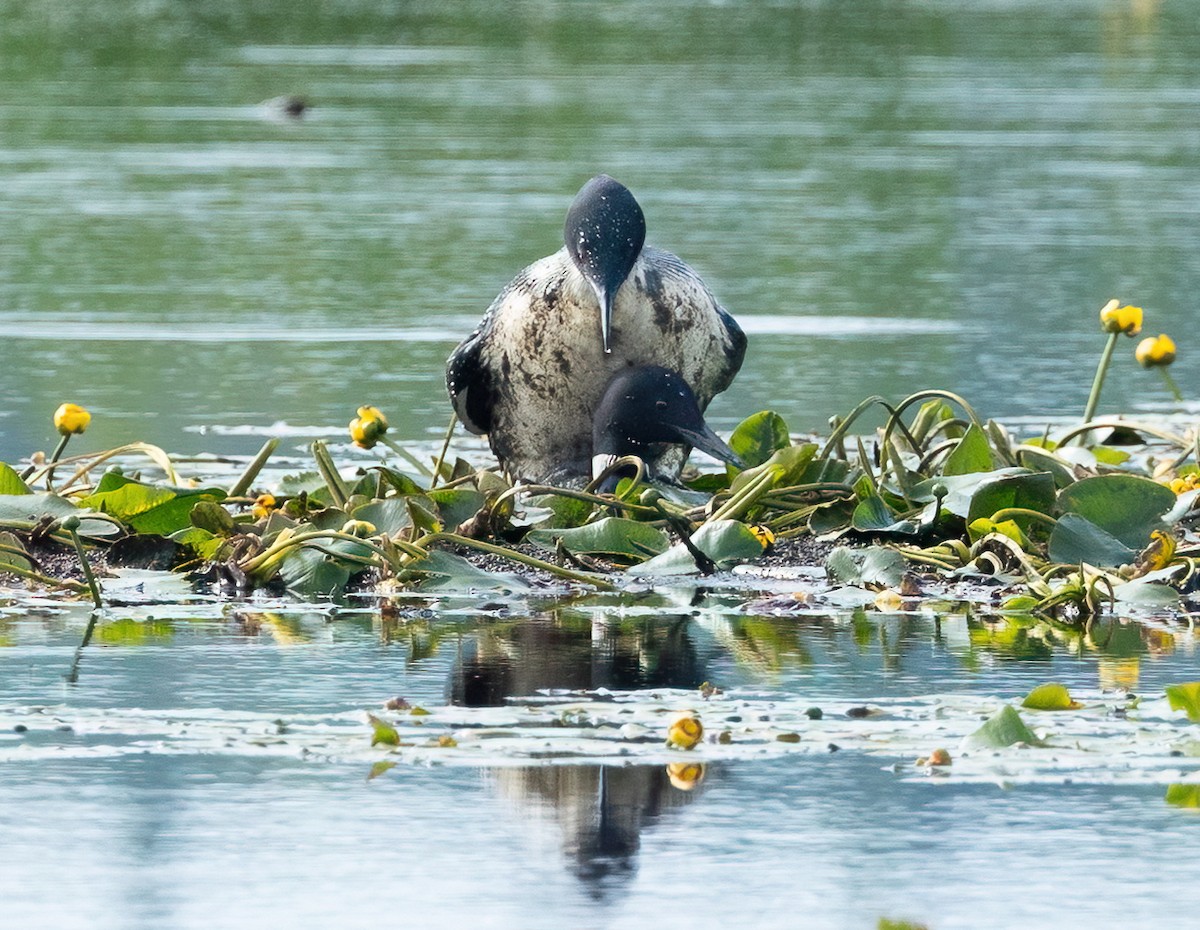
(571, 651)
(600, 810)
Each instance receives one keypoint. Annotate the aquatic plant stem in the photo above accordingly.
(88, 575)
(1098, 382)
(441, 459)
(425, 541)
(73, 675)
(329, 474)
(1171, 385)
(252, 470)
(54, 456)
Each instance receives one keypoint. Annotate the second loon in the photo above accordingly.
(533, 373)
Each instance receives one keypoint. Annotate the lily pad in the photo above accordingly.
(1185, 697)
(613, 537)
(1076, 539)
(758, 436)
(1050, 697)
(23, 509)
(1003, 729)
(972, 454)
(877, 565)
(10, 481)
(1127, 507)
(444, 571)
(726, 542)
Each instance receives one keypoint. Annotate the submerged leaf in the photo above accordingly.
(1003, 729)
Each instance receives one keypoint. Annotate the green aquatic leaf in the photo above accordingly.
(379, 768)
(1025, 491)
(20, 510)
(211, 516)
(1182, 794)
(875, 565)
(309, 572)
(726, 542)
(202, 542)
(830, 518)
(788, 465)
(612, 537)
(1127, 507)
(445, 571)
(388, 516)
(1149, 591)
(1076, 539)
(456, 505)
(148, 508)
(1050, 697)
(961, 489)
(10, 558)
(758, 436)
(1003, 729)
(11, 482)
(972, 454)
(1185, 697)
(382, 732)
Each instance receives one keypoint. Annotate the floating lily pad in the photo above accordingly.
(1127, 507)
(613, 537)
(877, 565)
(1076, 539)
(1050, 697)
(726, 542)
(972, 454)
(1003, 729)
(1185, 697)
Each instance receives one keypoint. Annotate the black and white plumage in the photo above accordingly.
(532, 374)
(650, 412)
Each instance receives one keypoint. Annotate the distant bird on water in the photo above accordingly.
(532, 375)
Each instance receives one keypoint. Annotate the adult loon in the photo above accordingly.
(533, 373)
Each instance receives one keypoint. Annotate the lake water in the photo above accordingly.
(889, 196)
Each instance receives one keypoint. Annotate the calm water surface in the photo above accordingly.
(889, 196)
(240, 834)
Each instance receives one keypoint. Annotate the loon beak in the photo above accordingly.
(706, 440)
(606, 312)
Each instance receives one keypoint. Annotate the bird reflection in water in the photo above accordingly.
(600, 810)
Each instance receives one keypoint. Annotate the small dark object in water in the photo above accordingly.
(856, 712)
(814, 713)
(292, 106)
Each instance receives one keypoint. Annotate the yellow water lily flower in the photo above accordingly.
(1117, 319)
(71, 418)
(1155, 350)
(763, 535)
(368, 427)
(1185, 483)
(263, 505)
(684, 731)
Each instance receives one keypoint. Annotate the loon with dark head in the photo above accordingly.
(650, 412)
(532, 375)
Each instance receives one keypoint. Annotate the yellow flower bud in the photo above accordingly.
(1155, 350)
(684, 731)
(360, 528)
(1117, 319)
(71, 418)
(368, 426)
